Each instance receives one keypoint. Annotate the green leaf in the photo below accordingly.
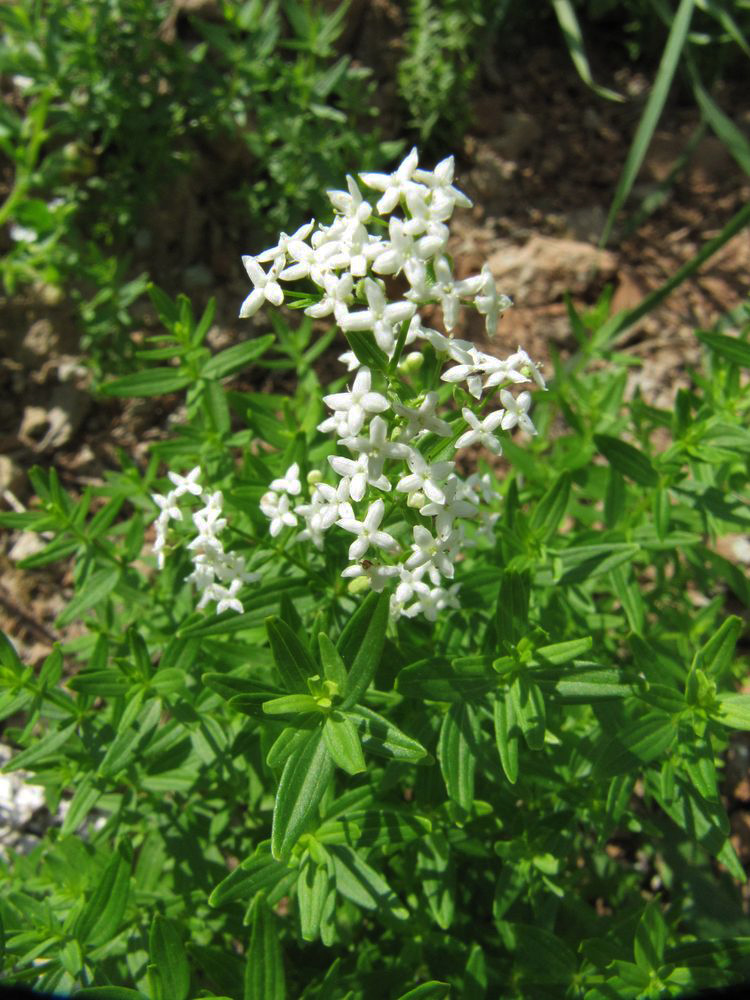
(48, 746)
(108, 993)
(512, 611)
(730, 348)
(360, 883)
(439, 681)
(529, 710)
(669, 62)
(100, 918)
(733, 710)
(550, 510)
(84, 799)
(717, 654)
(586, 683)
(152, 382)
(283, 745)
(255, 874)
(94, 591)
(705, 822)
(361, 645)
(343, 743)
(507, 735)
(457, 753)
(104, 683)
(130, 736)
(433, 990)
(540, 956)
(291, 704)
(563, 652)
(314, 888)
(292, 659)
(640, 741)
(384, 739)
(628, 460)
(234, 358)
(264, 969)
(334, 668)
(650, 939)
(167, 952)
(306, 775)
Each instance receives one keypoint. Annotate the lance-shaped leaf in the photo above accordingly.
(457, 753)
(334, 668)
(717, 653)
(360, 883)
(564, 652)
(292, 659)
(550, 510)
(528, 706)
(167, 952)
(100, 918)
(343, 743)
(384, 739)
(437, 878)
(291, 704)
(438, 680)
(627, 459)
(314, 886)
(264, 971)
(641, 741)
(284, 745)
(255, 874)
(361, 645)
(584, 683)
(306, 775)
(507, 735)
(512, 611)
(733, 710)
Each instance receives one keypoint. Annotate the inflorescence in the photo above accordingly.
(393, 437)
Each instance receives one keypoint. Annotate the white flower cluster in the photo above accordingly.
(217, 574)
(348, 264)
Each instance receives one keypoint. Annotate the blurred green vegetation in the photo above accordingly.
(108, 105)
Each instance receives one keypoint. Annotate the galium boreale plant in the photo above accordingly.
(347, 721)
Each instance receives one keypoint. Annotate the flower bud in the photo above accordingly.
(314, 476)
(358, 585)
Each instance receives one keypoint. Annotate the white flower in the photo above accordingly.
(453, 507)
(381, 317)
(282, 246)
(379, 576)
(377, 447)
(516, 411)
(168, 506)
(265, 287)
(336, 298)
(357, 475)
(351, 204)
(289, 482)
(394, 185)
(480, 431)
(444, 195)
(434, 553)
(188, 483)
(367, 532)
(358, 402)
(489, 303)
(276, 509)
(423, 420)
(425, 478)
(350, 359)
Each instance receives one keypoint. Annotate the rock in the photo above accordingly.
(12, 476)
(40, 342)
(546, 267)
(27, 544)
(51, 427)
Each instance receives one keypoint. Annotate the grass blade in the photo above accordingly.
(571, 30)
(652, 112)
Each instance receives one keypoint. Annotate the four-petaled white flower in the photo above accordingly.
(480, 431)
(357, 402)
(276, 509)
(394, 186)
(265, 286)
(516, 411)
(381, 317)
(368, 532)
(289, 482)
(425, 478)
